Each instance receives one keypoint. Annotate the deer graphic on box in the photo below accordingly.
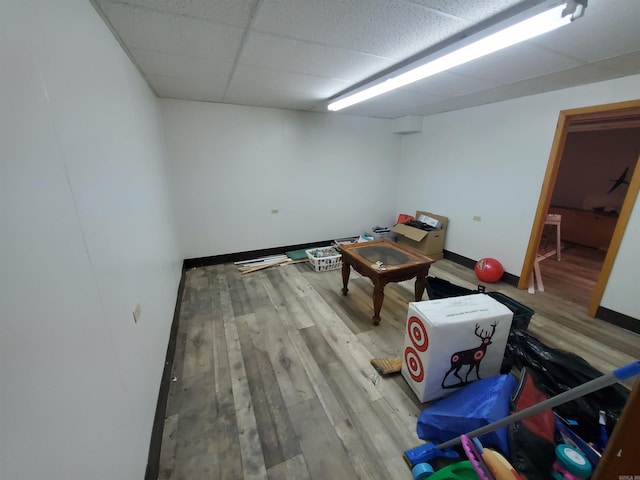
(471, 357)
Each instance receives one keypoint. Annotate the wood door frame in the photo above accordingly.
(557, 149)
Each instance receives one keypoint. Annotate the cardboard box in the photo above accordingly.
(432, 222)
(452, 342)
(431, 243)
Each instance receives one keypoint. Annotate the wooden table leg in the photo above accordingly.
(421, 279)
(378, 298)
(346, 271)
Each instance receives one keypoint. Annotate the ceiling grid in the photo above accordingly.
(296, 54)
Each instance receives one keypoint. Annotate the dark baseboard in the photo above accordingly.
(470, 263)
(618, 319)
(609, 316)
(459, 259)
(155, 443)
(240, 256)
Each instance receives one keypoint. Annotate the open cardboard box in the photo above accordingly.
(430, 243)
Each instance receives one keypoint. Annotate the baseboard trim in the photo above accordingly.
(248, 255)
(618, 319)
(155, 444)
(610, 316)
(470, 263)
(459, 259)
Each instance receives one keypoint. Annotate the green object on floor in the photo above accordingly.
(296, 254)
(458, 471)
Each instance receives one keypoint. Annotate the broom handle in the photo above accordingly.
(622, 373)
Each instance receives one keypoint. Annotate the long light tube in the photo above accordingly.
(519, 32)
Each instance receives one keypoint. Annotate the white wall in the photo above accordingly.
(85, 234)
(489, 161)
(329, 176)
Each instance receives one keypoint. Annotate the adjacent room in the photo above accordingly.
(147, 146)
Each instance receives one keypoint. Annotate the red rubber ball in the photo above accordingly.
(489, 270)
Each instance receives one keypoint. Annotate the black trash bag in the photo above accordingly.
(532, 439)
(557, 371)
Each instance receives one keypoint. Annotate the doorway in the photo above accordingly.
(611, 116)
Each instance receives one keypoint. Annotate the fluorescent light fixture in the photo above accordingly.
(536, 25)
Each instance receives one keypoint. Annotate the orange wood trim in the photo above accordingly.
(616, 239)
(620, 106)
(620, 458)
(564, 120)
(548, 183)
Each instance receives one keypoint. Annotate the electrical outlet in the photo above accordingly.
(136, 313)
(275, 210)
(477, 218)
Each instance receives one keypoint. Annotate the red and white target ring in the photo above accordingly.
(414, 364)
(418, 334)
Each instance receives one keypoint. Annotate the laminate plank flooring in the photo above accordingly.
(272, 380)
(576, 274)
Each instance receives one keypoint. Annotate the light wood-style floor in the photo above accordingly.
(272, 376)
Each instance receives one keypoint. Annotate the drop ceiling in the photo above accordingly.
(296, 54)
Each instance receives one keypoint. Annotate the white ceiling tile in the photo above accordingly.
(568, 78)
(496, 94)
(448, 84)
(229, 12)
(375, 110)
(607, 29)
(533, 86)
(295, 56)
(186, 88)
(474, 11)
(523, 88)
(396, 103)
(181, 66)
(624, 64)
(270, 88)
(389, 28)
(406, 98)
(152, 30)
(555, 81)
(516, 63)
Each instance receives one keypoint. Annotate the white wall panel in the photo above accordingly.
(86, 233)
(490, 161)
(329, 176)
(622, 290)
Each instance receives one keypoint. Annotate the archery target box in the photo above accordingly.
(452, 342)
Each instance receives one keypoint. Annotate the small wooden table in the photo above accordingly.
(397, 264)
